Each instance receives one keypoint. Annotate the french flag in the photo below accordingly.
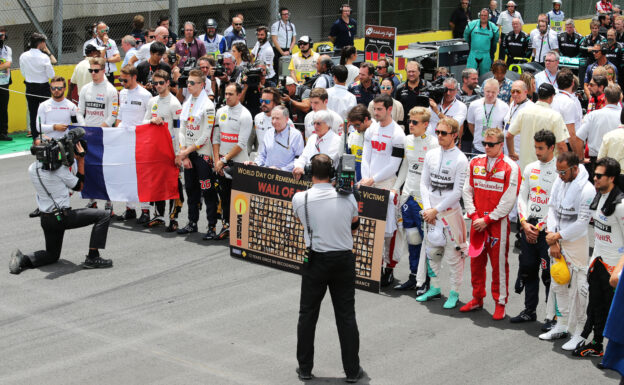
(130, 164)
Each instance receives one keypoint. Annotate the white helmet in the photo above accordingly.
(557, 2)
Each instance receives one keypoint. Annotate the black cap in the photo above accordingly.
(545, 91)
(89, 49)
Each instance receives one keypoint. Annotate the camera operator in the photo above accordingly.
(324, 66)
(52, 184)
(450, 107)
(231, 74)
(231, 135)
(411, 91)
(253, 80)
(146, 69)
(329, 263)
(190, 46)
(296, 98)
(206, 65)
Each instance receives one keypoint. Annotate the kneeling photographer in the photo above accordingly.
(52, 178)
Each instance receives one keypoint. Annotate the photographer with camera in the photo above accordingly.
(227, 72)
(206, 65)
(52, 179)
(296, 98)
(231, 135)
(57, 113)
(190, 46)
(324, 67)
(450, 106)
(254, 79)
(146, 70)
(329, 262)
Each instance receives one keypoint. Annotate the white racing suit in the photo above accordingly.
(569, 215)
(441, 184)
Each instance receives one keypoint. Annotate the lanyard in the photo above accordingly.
(317, 144)
(444, 111)
(488, 117)
(548, 77)
(513, 112)
(287, 146)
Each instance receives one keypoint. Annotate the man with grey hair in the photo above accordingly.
(515, 44)
(569, 40)
(281, 144)
(323, 141)
(549, 74)
(487, 112)
(504, 22)
(519, 101)
(128, 44)
(451, 107)
(161, 34)
(189, 47)
(108, 49)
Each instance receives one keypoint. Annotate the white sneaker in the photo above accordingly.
(573, 342)
(559, 331)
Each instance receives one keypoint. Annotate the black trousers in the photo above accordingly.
(225, 192)
(4, 106)
(600, 298)
(532, 258)
(335, 270)
(40, 92)
(199, 181)
(175, 205)
(501, 51)
(54, 231)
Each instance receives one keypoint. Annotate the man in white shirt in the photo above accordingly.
(519, 101)
(165, 108)
(57, 113)
(598, 123)
(262, 121)
(451, 106)
(323, 141)
(133, 100)
(487, 112)
(211, 39)
(569, 106)
(263, 51)
(549, 74)
(110, 53)
(319, 102)
(283, 36)
(81, 76)
(161, 34)
(384, 148)
(36, 67)
(128, 44)
(6, 59)
(543, 40)
(340, 100)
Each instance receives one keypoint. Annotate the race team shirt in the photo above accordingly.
(52, 112)
(442, 179)
(98, 104)
(169, 109)
(456, 110)
(132, 106)
(485, 116)
(197, 124)
(233, 128)
(262, 123)
(412, 166)
(384, 148)
(608, 235)
(537, 181)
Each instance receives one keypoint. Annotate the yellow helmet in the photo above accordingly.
(560, 272)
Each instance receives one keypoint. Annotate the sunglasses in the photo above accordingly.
(302, 43)
(191, 82)
(414, 122)
(165, 36)
(516, 91)
(158, 83)
(152, 36)
(124, 80)
(265, 101)
(598, 176)
(238, 23)
(442, 133)
(94, 70)
(57, 88)
(380, 67)
(105, 30)
(490, 144)
(563, 172)
(385, 87)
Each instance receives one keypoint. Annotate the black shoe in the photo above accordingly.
(355, 378)
(303, 376)
(387, 277)
(144, 218)
(524, 316)
(225, 232)
(210, 235)
(189, 228)
(91, 205)
(156, 221)
(128, 214)
(601, 366)
(173, 226)
(407, 285)
(5, 138)
(97, 263)
(35, 213)
(16, 262)
(549, 324)
(589, 349)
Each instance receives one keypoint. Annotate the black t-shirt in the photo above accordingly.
(146, 70)
(411, 98)
(460, 18)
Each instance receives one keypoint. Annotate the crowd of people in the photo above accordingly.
(525, 151)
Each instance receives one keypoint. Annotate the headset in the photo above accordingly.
(307, 169)
(389, 67)
(343, 6)
(194, 28)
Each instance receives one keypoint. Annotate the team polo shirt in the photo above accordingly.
(343, 32)
(52, 112)
(233, 127)
(132, 106)
(169, 109)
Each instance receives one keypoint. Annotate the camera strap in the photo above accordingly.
(56, 206)
(305, 206)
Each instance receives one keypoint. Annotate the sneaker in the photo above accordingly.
(407, 285)
(549, 324)
(356, 378)
(589, 349)
(303, 376)
(34, 214)
(128, 214)
(173, 226)
(210, 235)
(97, 263)
(573, 343)
(190, 227)
(557, 332)
(451, 301)
(144, 218)
(474, 304)
(225, 232)
(432, 293)
(156, 221)
(16, 261)
(387, 277)
(91, 205)
(5, 138)
(525, 315)
(499, 312)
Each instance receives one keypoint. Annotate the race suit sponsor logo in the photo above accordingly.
(488, 185)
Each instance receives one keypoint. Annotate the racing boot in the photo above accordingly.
(549, 324)
(224, 233)
(173, 226)
(387, 276)
(574, 342)
(144, 218)
(589, 349)
(422, 289)
(407, 285)
(451, 301)
(190, 227)
(432, 293)
(156, 221)
(474, 304)
(525, 315)
(499, 312)
(559, 331)
(128, 214)
(211, 234)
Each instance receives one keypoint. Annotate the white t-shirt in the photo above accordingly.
(340, 100)
(111, 50)
(6, 55)
(596, 124)
(133, 105)
(354, 72)
(143, 53)
(284, 33)
(52, 112)
(265, 53)
(456, 110)
(485, 116)
(569, 107)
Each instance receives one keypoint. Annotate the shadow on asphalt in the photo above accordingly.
(160, 230)
(335, 380)
(59, 269)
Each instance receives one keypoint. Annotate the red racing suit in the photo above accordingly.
(490, 193)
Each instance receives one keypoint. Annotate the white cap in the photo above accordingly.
(557, 2)
(290, 81)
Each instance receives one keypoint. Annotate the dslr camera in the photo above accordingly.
(219, 70)
(189, 65)
(54, 153)
(251, 76)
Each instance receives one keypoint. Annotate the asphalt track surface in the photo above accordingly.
(180, 310)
